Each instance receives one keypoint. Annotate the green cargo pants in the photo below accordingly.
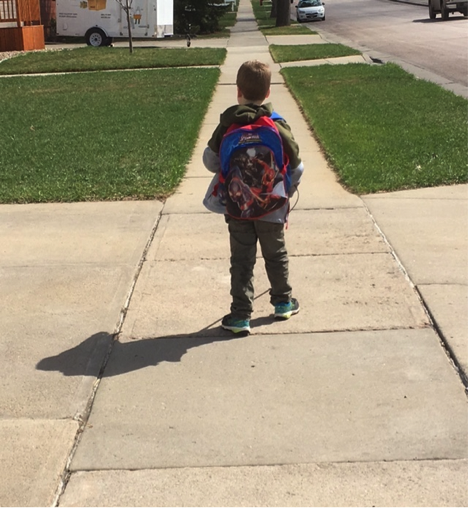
(243, 239)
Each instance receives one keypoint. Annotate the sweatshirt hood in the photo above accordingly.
(245, 114)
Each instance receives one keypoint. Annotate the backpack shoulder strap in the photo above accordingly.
(275, 116)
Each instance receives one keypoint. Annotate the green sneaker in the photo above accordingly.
(235, 325)
(286, 310)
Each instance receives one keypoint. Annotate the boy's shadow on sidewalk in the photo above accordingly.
(87, 358)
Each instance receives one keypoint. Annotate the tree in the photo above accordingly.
(127, 7)
(274, 10)
(283, 14)
(201, 15)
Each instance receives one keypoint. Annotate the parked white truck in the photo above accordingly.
(445, 7)
(99, 21)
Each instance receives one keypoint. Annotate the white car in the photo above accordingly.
(310, 10)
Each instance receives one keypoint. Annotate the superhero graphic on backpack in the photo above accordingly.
(254, 178)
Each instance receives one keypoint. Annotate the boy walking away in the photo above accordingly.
(257, 169)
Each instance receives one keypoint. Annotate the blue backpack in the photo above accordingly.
(255, 174)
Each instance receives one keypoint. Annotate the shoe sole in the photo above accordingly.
(287, 315)
(235, 329)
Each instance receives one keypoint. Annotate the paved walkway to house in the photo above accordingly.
(353, 402)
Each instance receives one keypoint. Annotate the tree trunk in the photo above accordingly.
(274, 8)
(130, 40)
(283, 17)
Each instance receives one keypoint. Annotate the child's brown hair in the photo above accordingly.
(253, 80)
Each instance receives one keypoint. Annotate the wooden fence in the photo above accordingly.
(8, 11)
(24, 12)
(28, 34)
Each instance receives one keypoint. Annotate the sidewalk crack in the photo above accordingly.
(83, 418)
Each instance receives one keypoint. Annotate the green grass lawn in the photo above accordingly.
(106, 58)
(267, 24)
(99, 136)
(383, 129)
(309, 52)
(229, 19)
(293, 29)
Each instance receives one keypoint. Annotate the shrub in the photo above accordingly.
(202, 15)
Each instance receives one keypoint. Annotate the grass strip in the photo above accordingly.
(383, 129)
(310, 52)
(229, 19)
(224, 23)
(107, 58)
(99, 136)
(267, 25)
(293, 29)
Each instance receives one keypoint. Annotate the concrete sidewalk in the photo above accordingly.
(353, 402)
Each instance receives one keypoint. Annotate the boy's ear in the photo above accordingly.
(268, 94)
(239, 93)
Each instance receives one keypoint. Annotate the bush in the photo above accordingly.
(202, 15)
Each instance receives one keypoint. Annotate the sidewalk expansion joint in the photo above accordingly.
(447, 284)
(393, 253)
(324, 331)
(326, 208)
(124, 309)
(82, 419)
(328, 331)
(452, 357)
(330, 254)
(433, 323)
(319, 464)
(259, 257)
